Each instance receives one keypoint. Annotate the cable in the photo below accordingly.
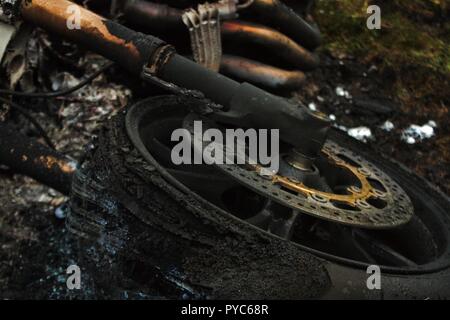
(61, 92)
(30, 118)
(54, 94)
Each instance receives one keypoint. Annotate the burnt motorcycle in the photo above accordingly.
(230, 231)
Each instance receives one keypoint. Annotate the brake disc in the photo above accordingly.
(371, 200)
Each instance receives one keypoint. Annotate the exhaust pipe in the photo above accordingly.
(261, 74)
(29, 157)
(278, 43)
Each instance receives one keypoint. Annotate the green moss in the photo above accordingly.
(401, 41)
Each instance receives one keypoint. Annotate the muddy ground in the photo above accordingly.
(399, 74)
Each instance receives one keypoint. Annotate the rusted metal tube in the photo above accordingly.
(154, 16)
(261, 74)
(130, 49)
(29, 157)
(279, 44)
(279, 16)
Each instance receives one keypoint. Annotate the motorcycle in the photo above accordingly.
(313, 229)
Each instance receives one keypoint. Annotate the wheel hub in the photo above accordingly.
(359, 194)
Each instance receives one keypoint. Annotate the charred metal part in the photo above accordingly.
(281, 17)
(251, 107)
(279, 44)
(237, 31)
(159, 59)
(210, 29)
(130, 49)
(228, 8)
(244, 104)
(27, 156)
(299, 161)
(261, 74)
(154, 16)
(157, 16)
(204, 31)
(200, 109)
(190, 75)
(191, 20)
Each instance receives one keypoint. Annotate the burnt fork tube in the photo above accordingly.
(29, 157)
(250, 107)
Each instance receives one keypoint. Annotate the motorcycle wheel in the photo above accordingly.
(142, 226)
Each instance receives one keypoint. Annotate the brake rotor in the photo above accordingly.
(372, 200)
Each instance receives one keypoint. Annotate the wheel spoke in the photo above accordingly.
(276, 219)
(364, 252)
(381, 250)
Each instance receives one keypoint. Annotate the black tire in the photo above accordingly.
(142, 230)
(428, 281)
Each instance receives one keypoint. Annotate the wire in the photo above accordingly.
(61, 92)
(54, 94)
(30, 118)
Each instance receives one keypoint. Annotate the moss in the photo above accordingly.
(409, 35)
(412, 46)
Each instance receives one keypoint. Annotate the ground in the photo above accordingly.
(399, 74)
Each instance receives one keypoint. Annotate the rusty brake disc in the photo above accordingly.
(356, 192)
